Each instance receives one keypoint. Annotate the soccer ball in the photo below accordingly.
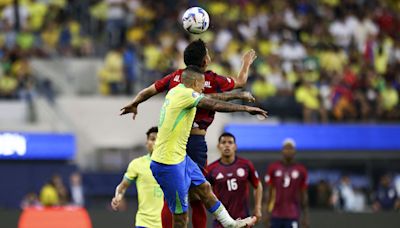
(195, 20)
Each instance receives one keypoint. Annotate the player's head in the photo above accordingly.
(193, 77)
(227, 144)
(196, 54)
(151, 138)
(288, 149)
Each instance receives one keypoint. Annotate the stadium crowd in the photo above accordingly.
(343, 68)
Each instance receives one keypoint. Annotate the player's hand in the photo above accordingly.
(257, 111)
(258, 214)
(130, 108)
(249, 57)
(115, 203)
(247, 96)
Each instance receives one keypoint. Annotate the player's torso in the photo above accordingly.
(150, 196)
(203, 117)
(174, 127)
(287, 182)
(231, 185)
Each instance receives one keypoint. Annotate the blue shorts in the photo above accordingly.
(284, 223)
(196, 149)
(175, 181)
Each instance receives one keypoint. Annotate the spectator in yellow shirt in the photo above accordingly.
(308, 96)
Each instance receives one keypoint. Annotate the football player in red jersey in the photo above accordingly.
(196, 53)
(230, 177)
(287, 197)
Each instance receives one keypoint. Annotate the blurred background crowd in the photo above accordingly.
(318, 61)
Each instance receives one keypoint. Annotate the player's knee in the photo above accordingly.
(205, 188)
(180, 220)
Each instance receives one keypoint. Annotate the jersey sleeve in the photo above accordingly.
(191, 98)
(163, 83)
(269, 175)
(224, 84)
(253, 175)
(131, 172)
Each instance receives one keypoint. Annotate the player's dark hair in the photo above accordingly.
(152, 130)
(194, 53)
(226, 134)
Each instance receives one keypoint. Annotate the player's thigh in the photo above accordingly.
(194, 173)
(172, 180)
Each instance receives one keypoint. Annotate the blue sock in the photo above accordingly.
(215, 207)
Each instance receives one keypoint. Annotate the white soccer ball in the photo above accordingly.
(195, 20)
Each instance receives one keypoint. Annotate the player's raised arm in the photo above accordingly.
(119, 194)
(142, 96)
(247, 59)
(243, 95)
(221, 106)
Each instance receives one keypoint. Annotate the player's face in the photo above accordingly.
(151, 140)
(288, 152)
(227, 146)
(199, 84)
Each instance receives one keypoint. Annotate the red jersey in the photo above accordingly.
(231, 184)
(214, 83)
(287, 183)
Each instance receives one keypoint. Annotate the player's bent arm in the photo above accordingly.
(145, 94)
(142, 96)
(258, 192)
(247, 60)
(119, 193)
(221, 106)
(243, 95)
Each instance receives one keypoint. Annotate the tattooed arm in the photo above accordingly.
(246, 96)
(221, 106)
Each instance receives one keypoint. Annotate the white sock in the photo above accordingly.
(222, 215)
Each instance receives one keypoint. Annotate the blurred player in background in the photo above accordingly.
(150, 195)
(287, 191)
(196, 53)
(230, 177)
(172, 168)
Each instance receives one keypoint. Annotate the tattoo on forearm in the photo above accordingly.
(220, 106)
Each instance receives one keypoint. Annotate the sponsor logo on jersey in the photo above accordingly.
(195, 94)
(219, 176)
(240, 172)
(229, 174)
(207, 84)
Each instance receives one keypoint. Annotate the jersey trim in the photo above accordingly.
(179, 118)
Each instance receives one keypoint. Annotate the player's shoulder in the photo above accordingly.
(213, 165)
(139, 160)
(275, 165)
(244, 161)
(300, 166)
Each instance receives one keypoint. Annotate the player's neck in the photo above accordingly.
(227, 160)
(287, 162)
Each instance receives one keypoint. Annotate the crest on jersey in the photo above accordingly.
(219, 176)
(195, 94)
(278, 173)
(266, 178)
(240, 172)
(295, 174)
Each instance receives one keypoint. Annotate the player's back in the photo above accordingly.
(287, 183)
(176, 119)
(231, 184)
